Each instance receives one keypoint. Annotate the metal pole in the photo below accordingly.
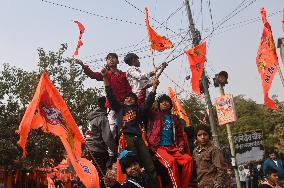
(232, 146)
(196, 40)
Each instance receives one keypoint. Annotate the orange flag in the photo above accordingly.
(196, 59)
(177, 107)
(49, 111)
(267, 60)
(80, 43)
(157, 42)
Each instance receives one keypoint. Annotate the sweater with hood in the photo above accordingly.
(102, 137)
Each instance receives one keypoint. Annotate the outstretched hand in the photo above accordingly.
(79, 62)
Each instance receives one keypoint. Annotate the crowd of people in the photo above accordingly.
(151, 143)
(137, 143)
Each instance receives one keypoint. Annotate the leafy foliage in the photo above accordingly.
(17, 87)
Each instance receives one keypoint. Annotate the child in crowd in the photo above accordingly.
(129, 118)
(272, 179)
(209, 161)
(135, 178)
(118, 82)
(165, 139)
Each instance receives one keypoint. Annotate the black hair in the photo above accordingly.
(111, 55)
(129, 58)
(102, 102)
(164, 97)
(203, 127)
(273, 152)
(271, 171)
(133, 95)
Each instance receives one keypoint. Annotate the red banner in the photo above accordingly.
(80, 42)
(267, 60)
(196, 59)
(159, 43)
(49, 111)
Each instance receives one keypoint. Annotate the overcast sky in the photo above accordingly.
(28, 25)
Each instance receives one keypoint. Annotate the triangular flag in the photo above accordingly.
(196, 59)
(157, 42)
(49, 111)
(267, 60)
(177, 107)
(79, 43)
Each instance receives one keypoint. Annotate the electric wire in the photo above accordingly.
(93, 14)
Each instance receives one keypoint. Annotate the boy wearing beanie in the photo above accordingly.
(165, 138)
(135, 178)
(208, 160)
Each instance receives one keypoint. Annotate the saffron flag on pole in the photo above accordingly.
(49, 112)
(177, 107)
(80, 42)
(157, 42)
(267, 60)
(196, 59)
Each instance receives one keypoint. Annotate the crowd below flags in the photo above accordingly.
(133, 142)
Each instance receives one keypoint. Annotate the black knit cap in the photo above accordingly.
(129, 57)
(126, 159)
(164, 97)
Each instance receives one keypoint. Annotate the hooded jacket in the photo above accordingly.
(102, 137)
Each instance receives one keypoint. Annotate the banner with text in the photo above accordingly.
(225, 109)
(249, 146)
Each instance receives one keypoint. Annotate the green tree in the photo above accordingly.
(17, 88)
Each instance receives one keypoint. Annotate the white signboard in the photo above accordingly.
(225, 109)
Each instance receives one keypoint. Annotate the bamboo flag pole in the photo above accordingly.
(281, 46)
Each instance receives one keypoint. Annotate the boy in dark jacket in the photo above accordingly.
(165, 138)
(129, 117)
(135, 178)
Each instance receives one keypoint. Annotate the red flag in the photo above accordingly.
(80, 43)
(196, 59)
(49, 111)
(177, 107)
(157, 42)
(267, 60)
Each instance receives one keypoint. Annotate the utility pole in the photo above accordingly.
(281, 46)
(196, 38)
(232, 146)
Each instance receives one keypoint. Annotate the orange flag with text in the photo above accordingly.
(196, 59)
(157, 42)
(49, 112)
(267, 60)
(177, 107)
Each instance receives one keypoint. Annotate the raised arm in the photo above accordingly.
(144, 107)
(114, 104)
(89, 72)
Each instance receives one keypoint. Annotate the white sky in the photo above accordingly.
(27, 25)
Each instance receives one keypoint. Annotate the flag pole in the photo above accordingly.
(281, 46)
(95, 161)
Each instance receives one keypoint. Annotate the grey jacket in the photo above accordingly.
(102, 138)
